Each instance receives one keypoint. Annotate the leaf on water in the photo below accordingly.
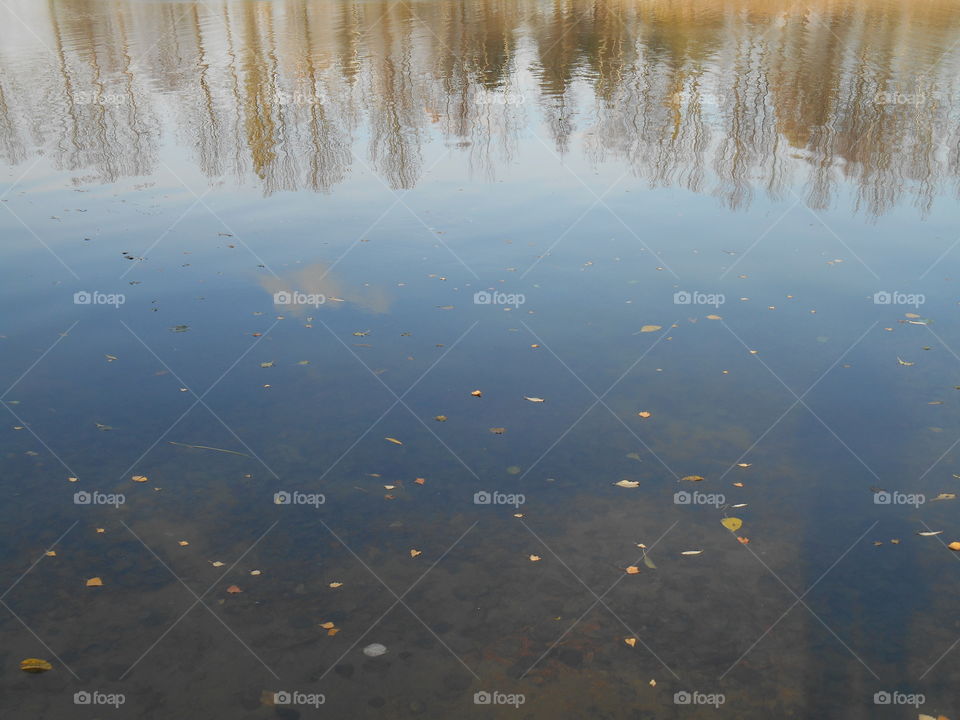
(739, 505)
(518, 515)
(35, 665)
(744, 465)
(182, 543)
(51, 553)
(393, 440)
(100, 531)
(139, 478)
(441, 418)
(420, 481)
(631, 641)
(414, 553)
(894, 541)
(691, 552)
(533, 399)
(911, 315)
(929, 533)
(534, 558)
(633, 570)
(327, 625)
(634, 456)
(268, 364)
(648, 562)
(333, 631)
(233, 590)
(714, 317)
(732, 524)
(904, 362)
(111, 358)
(650, 328)
(498, 430)
(653, 683)
(303, 362)
(743, 540)
(476, 393)
(737, 484)
(945, 496)
(627, 483)
(644, 414)
(255, 572)
(335, 585)
(94, 582)
(217, 563)
(693, 478)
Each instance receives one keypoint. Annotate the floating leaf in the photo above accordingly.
(498, 430)
(217, 563)
(653, 683)
(904, 362)
(533, 399)
(139, 478)
(691, 552)
(336, 584)
(233, 590)
(327, 625)
(35, 665)
(929, 533)
(534, 558)
(393, 440)
(744, 465)
(743, 540)
(94, 582)
(714, 317)
(650, 328)
(420, 481)
(414, 553)
(267, 364)
(954, 546)
(627, 483)
(644, 414)
(441, 418)
(518, 515)
(182, 543)
(333, 631)
(732, 524)
(739, 505)
(945, 496)
(633, 570)
(476, 393)
(895, 541)
(693, 478)
(737, 484)
(255, 572)
(631, 641)
(634, 456)
(648, 562)
(51, 553)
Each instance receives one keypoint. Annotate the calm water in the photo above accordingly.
(262, 254)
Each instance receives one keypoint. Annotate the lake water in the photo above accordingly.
(329, 324)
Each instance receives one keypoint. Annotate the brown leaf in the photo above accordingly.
(94, 582)
(233, 590)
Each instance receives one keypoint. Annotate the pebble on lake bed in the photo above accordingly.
(374, 650)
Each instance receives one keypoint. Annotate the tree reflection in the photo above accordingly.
(729, 97)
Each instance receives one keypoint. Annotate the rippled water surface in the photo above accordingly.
(332, 323)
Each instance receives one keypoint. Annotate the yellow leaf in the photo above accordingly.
(182, 543)
(71, 479)
(139, 478)
(744, 465)
(476, 393)
(414, 553)
(738, 484)
(631, 641)
(394, 441)
(333, 631)
(644, 414)
(51, 553)
(627, 483)
(255, 572)
(217, 563)
(518, 515)
(336, 584)
(327, 625)
(954, 546)
(94, 582)
(714, 317)
(35, 665)
(441, 418)
(534, 558)
(633, 570)
(693, 478)
(732, 524)
(903, 362)
(100, 531)
(498, 430)
(650, 328)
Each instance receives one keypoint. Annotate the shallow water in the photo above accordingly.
(492, 196)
